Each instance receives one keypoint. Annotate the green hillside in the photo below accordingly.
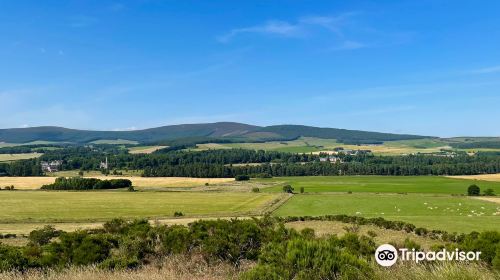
(236, 132)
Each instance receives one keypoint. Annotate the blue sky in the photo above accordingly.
(422, 67)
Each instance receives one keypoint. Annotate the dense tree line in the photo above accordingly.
(353, 165)
(231, 162)
(30, 167)
(83, 184)
(89, 158)
(477, 145)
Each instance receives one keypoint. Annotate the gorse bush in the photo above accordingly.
(303, 258)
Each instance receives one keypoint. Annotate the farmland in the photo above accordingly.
(482, 177)
(53, 207)
(382, 184)
(31, 183)
(317, 145)
(454, 214)
(12, 157)
(427, 201)
(144, 149)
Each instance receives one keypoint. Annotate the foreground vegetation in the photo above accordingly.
(245, 249)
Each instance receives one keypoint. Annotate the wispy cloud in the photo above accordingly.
(486, 70)
(274, 27)
(300, 28)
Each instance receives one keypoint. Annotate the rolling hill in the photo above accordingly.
(220, 130)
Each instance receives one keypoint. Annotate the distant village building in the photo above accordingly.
(332, 159)
(52, 166)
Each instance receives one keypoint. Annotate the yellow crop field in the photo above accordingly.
(30, 183)
(482, 177)
(145, 149)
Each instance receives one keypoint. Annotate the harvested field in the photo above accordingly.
(482, 177)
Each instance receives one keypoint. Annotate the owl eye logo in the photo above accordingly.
(386, 255)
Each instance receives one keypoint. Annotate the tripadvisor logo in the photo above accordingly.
(386, 255)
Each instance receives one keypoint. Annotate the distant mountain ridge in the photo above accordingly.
(218, 130)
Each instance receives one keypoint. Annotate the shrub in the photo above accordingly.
(231, 241)
(473, 190)
(43, 236)
(421, 231)
(115, 226)
(410, 244)
(12, 258)
(287, 189)
(178, 214)
(255, 190)
(489, 192)
(175, 239)
(301, 258)
(242, 177)
(301, 189)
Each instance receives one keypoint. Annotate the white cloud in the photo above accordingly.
(295, 30)
(132, 128)
(280, 28)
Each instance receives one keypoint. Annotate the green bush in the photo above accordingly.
(242, 177)
(287, 189)
(175, 239)
(301, 258)
(489, 192)
(255, 190)
(473, 190)
(43, 236)
(11, 258)
(178, 214)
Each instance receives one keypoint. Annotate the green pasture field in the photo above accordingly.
(381, 184)
(450, 213)
(65, 206)
(12, 157)
(312, 144)
(115, 142)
